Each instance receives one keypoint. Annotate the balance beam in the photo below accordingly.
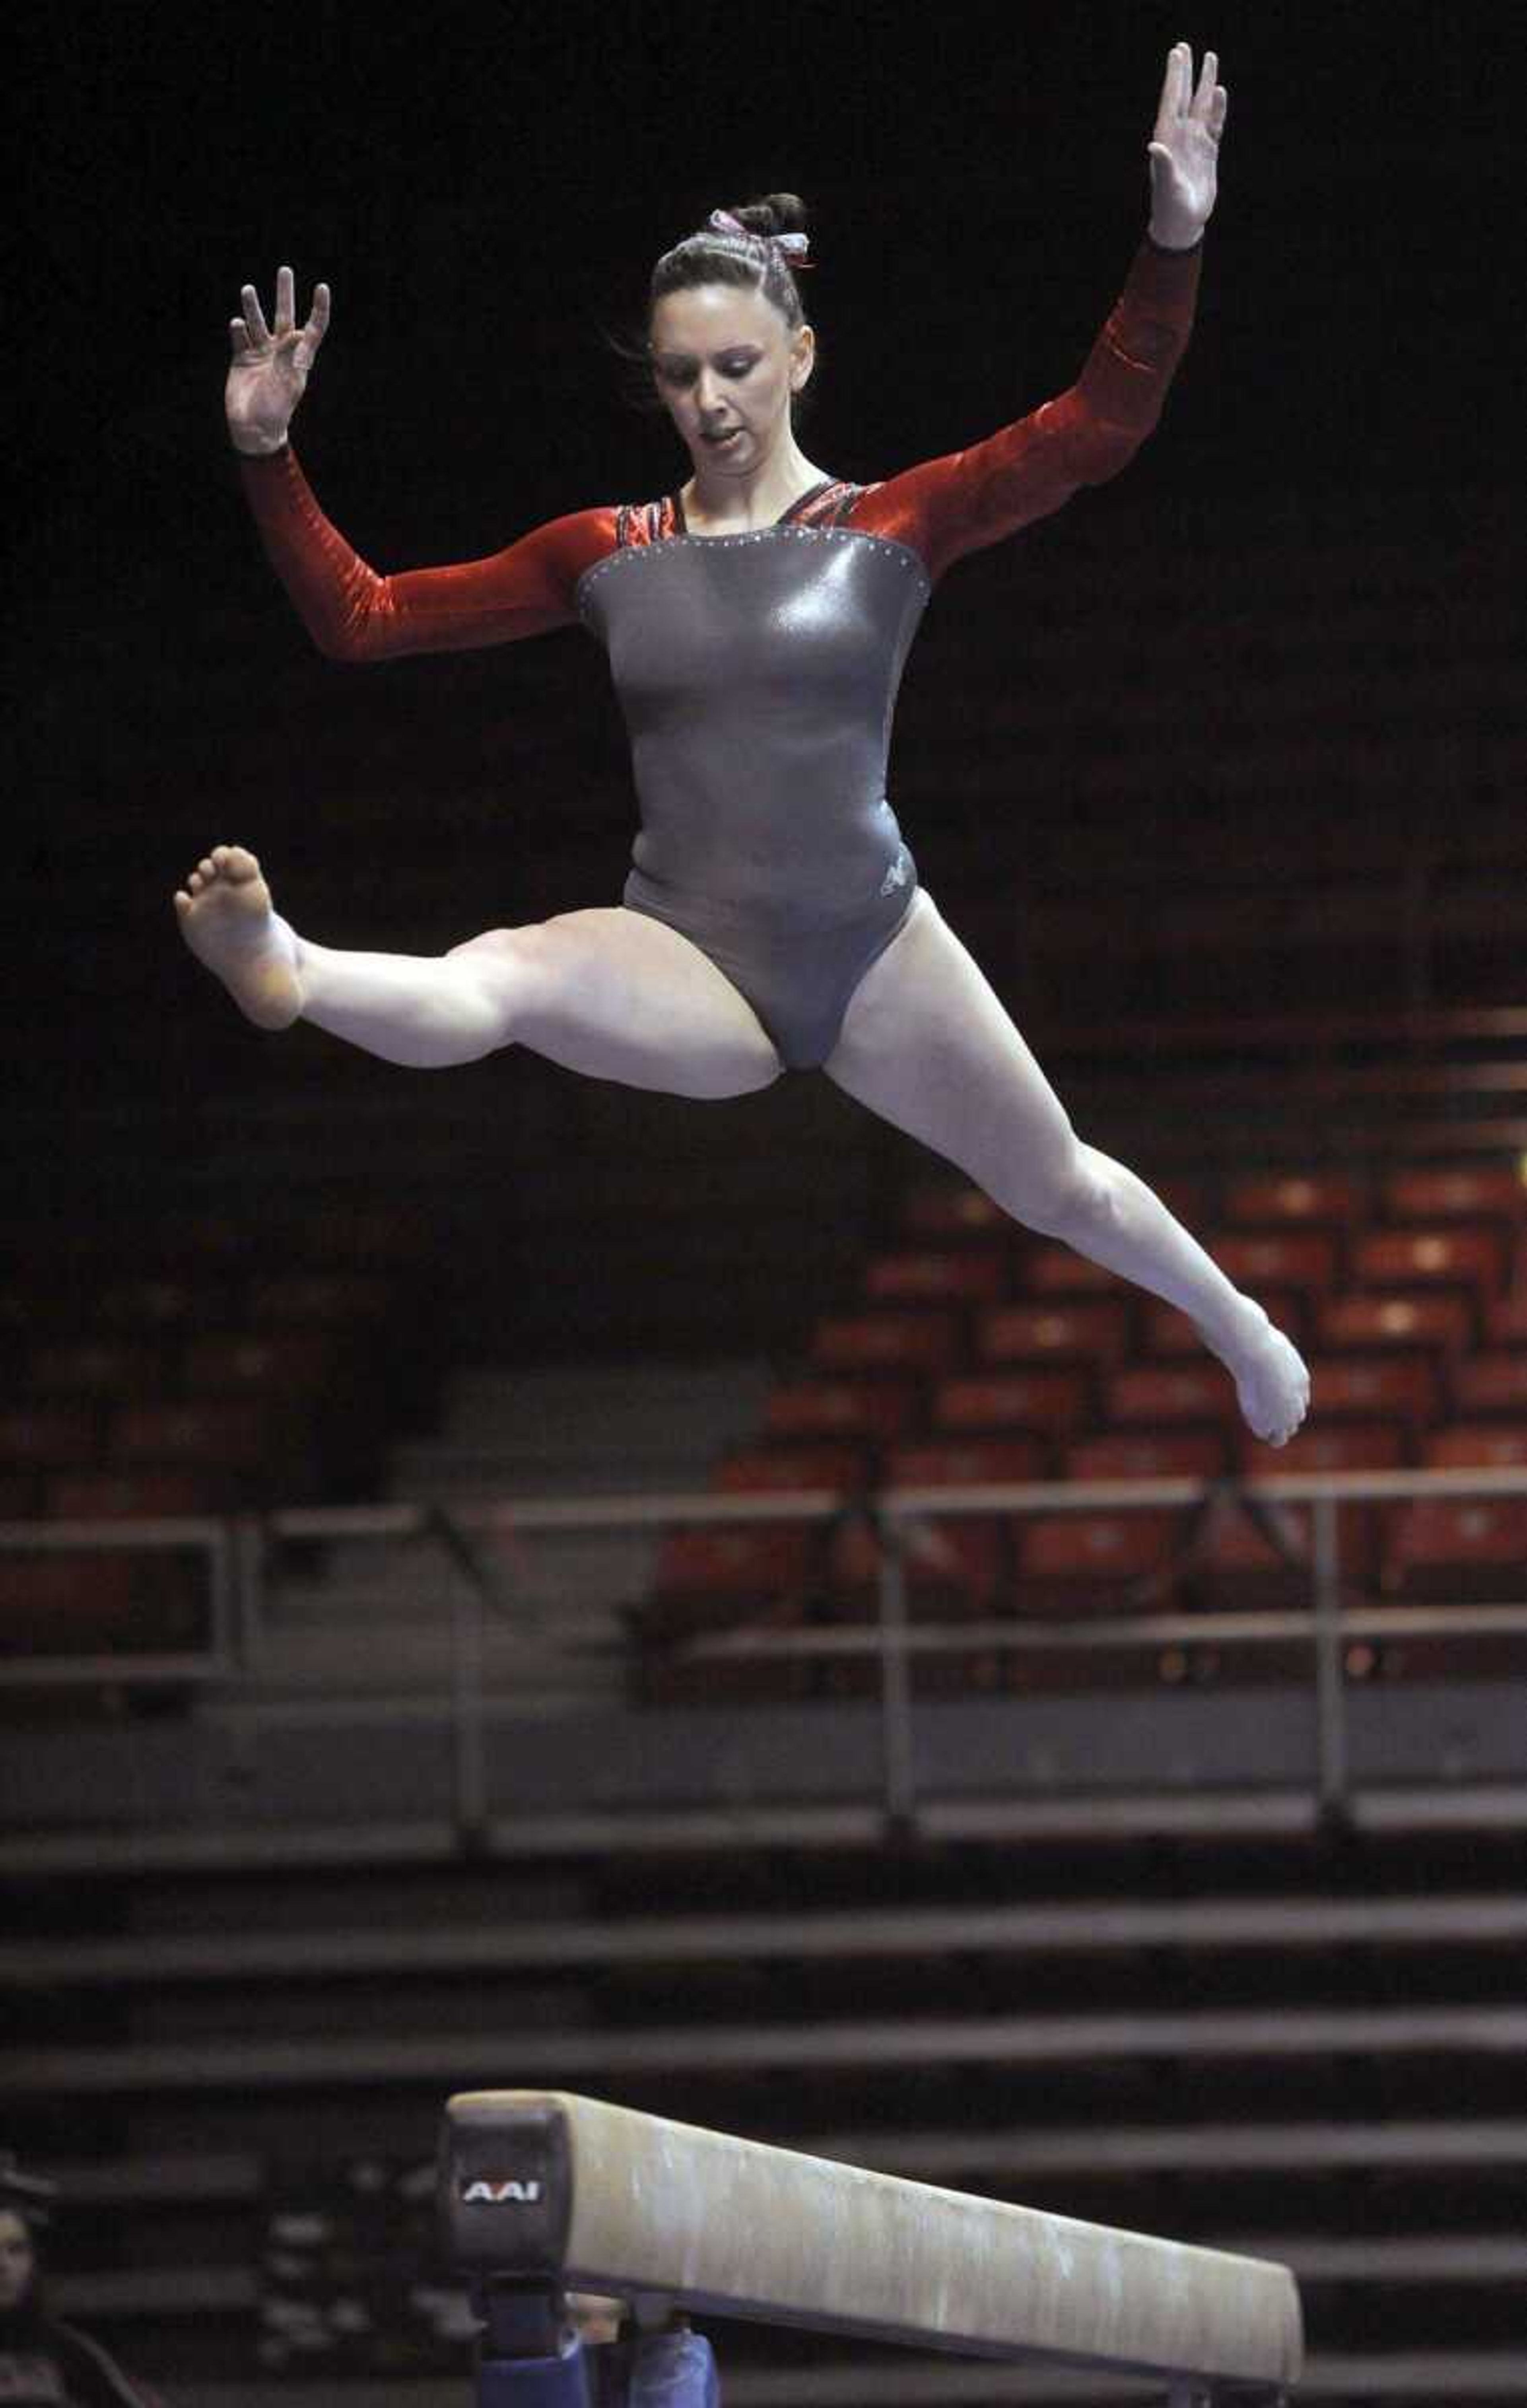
(543, 2185)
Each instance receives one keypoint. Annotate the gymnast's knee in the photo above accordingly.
(1068, 1195)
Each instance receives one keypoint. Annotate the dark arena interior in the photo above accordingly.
(514, 1581)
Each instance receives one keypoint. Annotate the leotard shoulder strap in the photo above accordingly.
(826, 504)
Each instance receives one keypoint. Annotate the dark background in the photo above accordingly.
(482, 185)
(485, 189)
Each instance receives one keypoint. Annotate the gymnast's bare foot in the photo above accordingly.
(226, 920)
(1272, 1384)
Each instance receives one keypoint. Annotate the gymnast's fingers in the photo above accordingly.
(1203, 100)
(1174, 89)
(286, 316)
(255, 318)
(317, 320)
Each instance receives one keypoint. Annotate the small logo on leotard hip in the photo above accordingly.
(897, 873)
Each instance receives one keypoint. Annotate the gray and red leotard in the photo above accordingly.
(758, 672)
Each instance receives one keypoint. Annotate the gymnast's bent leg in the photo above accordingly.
(611, 993)
(926, 1043)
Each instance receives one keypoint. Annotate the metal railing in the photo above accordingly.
(239, 1555)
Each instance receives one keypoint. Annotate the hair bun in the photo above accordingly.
(772, 213)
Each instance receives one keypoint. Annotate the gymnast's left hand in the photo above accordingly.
(1184, 149)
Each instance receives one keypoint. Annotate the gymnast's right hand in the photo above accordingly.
(268, 371)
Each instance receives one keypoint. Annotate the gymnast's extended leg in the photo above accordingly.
(609, 993)
(926, 1043)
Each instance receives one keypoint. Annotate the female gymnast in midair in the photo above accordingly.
(757, 622)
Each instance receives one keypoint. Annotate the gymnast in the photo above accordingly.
(756, 622)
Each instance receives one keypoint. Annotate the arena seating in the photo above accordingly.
(979, 1353)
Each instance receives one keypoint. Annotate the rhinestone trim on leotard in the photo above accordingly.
(900, 553)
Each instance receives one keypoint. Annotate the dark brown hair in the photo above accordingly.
(712, 255)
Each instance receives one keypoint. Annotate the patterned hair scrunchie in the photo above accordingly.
(794, 245)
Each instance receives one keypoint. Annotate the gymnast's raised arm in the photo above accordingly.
(350, 611)
(967, 499)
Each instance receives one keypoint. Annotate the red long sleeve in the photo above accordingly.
(951, 506)
(353, 614)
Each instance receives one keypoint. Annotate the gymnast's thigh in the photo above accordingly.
(928, 1044)
(616, 994)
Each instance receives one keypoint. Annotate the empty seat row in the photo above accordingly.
(1372, 1410)
(1237, 1551)
(1277, 1200)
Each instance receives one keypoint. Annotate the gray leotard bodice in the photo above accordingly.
(757, 674)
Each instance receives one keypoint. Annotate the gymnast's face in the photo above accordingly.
(17, 2261)
(727, 365)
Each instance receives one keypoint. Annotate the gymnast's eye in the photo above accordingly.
(684, 371)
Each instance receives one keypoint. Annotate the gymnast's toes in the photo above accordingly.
(226, 918)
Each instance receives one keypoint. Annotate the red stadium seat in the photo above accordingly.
(965, 1463)
(1240, 1561)
(1093, 1331)
(1472, 1259)
(1465, 1193)
(1465, 1446)
(1464, 1549)
(1357, 1446)
(1506, 1318)
(1047, 1268)
(1492, 1382)
(841, 1409)
(1354, 1446)
(1261, 1555)
(936, 1275)
(1303, 1261)
(1122, 1454)
(1269, 1202)
(1400, 1387)
(767, 1577)
(1444, 1323)
(954, 1565)
(951, 1210)
(952, 1562)
(1050, 1403)
(1171, 1393)
(886, 1341)
(1070, 1563)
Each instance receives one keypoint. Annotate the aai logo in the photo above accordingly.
(500, 2190)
